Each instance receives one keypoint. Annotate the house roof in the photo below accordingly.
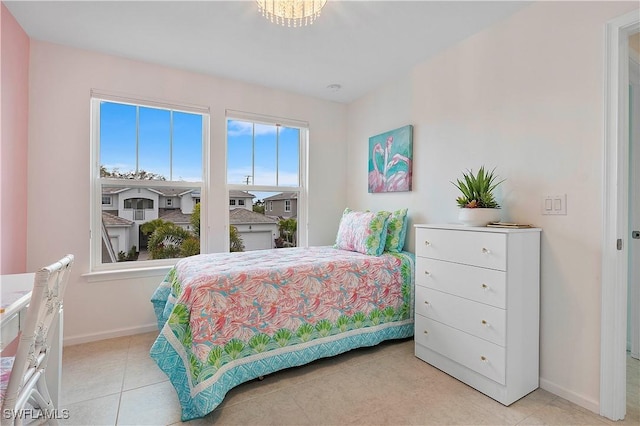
(106, 190)
(283, 196)
(170, 192)
(112, 220)
(240, 194)
(176, 216)
(164, 191)
(242, 216)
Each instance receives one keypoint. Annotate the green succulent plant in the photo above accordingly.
(477, 189)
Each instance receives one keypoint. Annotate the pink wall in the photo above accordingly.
(14, 110)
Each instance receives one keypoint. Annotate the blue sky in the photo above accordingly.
(118, 146)
(267, 158)
(118, 141)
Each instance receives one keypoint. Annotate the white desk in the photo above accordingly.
(15, 293)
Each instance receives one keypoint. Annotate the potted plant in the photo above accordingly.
(478, 205)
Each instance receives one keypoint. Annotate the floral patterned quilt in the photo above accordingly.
(227, 318)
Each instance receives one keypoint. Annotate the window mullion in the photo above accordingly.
(137, 139)
(171, 145)
(277, 154)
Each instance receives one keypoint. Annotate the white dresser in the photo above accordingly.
(477, 306)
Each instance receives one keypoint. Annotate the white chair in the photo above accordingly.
(26, 380)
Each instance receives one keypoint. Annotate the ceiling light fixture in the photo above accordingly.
(291, 13)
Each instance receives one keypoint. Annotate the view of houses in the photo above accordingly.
(266, 224)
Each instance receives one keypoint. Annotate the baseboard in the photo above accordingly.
(85, 338)
(569, 395)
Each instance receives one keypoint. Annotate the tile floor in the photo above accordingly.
(115, 382)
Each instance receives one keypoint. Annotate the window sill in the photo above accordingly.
(127, 274)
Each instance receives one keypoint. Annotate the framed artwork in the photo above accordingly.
(390, 160)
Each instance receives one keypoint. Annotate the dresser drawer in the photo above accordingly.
(483, 285)
(484, 357)
(484, 249)
(480, 320)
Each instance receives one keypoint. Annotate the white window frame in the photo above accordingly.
(98, 268)
(303, 161)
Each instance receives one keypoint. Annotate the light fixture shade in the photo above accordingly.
(292, 13)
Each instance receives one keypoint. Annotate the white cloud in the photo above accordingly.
(242, 128)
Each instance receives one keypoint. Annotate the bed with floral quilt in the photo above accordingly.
(228, 318)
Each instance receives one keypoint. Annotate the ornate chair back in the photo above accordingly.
(27, 379)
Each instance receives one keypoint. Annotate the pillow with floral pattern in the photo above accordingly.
(396, 231)
(363, 232)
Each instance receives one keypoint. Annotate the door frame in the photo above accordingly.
(615, 276)
(634, 270)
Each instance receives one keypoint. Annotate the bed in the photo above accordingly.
(228, 318)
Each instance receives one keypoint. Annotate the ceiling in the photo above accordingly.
(356, 44)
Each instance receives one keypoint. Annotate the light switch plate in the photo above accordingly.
(554, 204)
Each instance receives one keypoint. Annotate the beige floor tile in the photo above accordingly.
(93, 370)
(150, 405)
(140, 371)
(97, 351)
(385, 384)
(276, 408)
(286, 378)
(82, 382)
(141, 343)
(562, 412)
(97, 411)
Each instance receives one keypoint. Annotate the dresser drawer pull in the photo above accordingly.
(484, 358)
(485, 323)
(426, 302)
(427, 243)
(425, 332)
(427, 273)
(485, 287)
(485, 250)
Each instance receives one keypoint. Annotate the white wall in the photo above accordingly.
(119, 237)
(525, 96)
(58, 168)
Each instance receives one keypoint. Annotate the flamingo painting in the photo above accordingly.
(390, 160)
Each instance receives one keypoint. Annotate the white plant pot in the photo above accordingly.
(478, 216)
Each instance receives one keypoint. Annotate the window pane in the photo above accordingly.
(117, 138)
(134, 228)
(159, 221)
(265, 154)
(288, 157)
(154, 152)
(187, 147)
(239, 152)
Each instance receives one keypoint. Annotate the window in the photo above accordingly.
(146, 157)
(241, 202)
(266, 157)
(232, 202)
(138, 203)
(287, 205)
